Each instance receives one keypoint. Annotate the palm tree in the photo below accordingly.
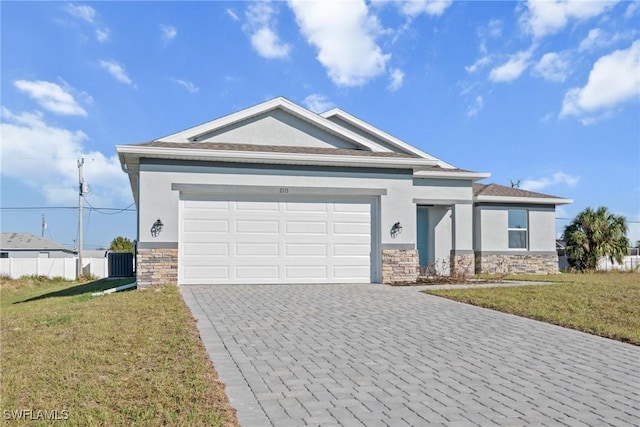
(593, 235)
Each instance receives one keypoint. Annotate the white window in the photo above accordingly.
(518, 229)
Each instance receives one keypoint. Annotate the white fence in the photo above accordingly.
(630, 262)
(53, 267)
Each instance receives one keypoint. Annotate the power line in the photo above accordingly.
(36, 208)
(92, 208)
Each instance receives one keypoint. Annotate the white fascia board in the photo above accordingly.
(523, 200)
(474, 176)
(275, 158)
(382, 135)
(192, 134)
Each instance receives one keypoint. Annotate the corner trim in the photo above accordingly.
(157, 245)
(275, 190)
(462, 252)
(398, 246)
(441, 202)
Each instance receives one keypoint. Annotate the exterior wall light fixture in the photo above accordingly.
(156, 228)
(396, 229)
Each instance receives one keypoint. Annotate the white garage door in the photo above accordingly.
(266, 240)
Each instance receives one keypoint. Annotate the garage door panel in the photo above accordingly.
(196, 205)
(257, 206)
(262, 240)
(308, 272)
(352, 207)
(257, 227)
(351, 250)
(206, 249)
(351, 272)
(257, 273)
(256, 249)
(305, 250)
(209, 273)
(352, 228)
(306, 227)
(206, 225)
(307, 208)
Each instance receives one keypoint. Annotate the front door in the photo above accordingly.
(423, 236)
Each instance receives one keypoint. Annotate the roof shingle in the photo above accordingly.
(272, 149)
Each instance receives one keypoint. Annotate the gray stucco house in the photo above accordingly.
(278, 194)
(26, 245)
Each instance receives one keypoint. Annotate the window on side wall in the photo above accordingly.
(518, 229)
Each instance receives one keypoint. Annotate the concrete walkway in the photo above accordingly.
(372, 355)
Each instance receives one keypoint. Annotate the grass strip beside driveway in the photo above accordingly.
(604, 304)
(130, 358)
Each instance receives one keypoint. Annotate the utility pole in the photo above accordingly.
(44, 226)
(81, 187)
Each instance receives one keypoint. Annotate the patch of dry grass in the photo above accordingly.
(130, 358)
(604, 304)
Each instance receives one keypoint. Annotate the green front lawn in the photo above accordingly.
(605, 304)
(130, 358)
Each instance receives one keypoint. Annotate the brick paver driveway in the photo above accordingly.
(351, 355)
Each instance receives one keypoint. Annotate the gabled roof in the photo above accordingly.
(29, 242)
(378, 133)
(501, 194)
(195, 133)
(371, 146)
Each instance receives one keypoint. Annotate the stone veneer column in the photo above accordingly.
(157, 267)
(462, 264)
(399, 266)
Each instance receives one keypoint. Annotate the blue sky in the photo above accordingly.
(546, 93)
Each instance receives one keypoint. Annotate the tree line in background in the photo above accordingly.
(122, 244)
(593, 235)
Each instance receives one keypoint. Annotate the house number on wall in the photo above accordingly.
(284, 190)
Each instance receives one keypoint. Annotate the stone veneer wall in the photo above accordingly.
(399, 266)
(157, 267)
(517, 264)
(462, 264)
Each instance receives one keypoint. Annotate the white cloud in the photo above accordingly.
(29, 144)
(117, 71)
(476, 107)
(102, 34)
(261, 25)
(396, 78)
(268, 44)
(317, 103)
(613, 80)
(51, 97)
(558, 178)
(169, 32)
(599, 39)
(512, 69)
(553, 66)
(344, 34)
(90, 16)
(84, 12)
(232, 14)
(480, 63)
(631, 9)
(494, 28)
(190, 87)
(414, 8)
(545, 17)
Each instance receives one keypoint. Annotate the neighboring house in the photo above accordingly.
(278, 194)
(26, 245)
